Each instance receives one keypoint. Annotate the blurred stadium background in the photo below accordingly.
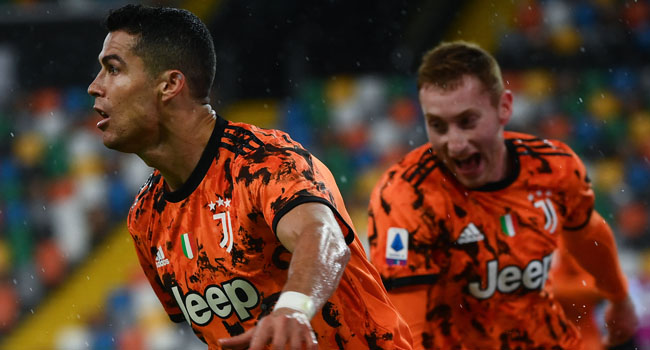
(338, 76)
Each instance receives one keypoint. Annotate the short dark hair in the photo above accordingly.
(169, 38)
(446, 64)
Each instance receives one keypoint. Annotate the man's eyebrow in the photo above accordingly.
(107, 58)
(465, 113)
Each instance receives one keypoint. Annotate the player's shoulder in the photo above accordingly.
(414, 183)
(537, 145)
(545, 158)
(148, 197)
(253, 144)
(412, 170)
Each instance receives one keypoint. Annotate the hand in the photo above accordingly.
(283, 327)
(621, 322)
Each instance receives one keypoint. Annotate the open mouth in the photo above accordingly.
(101, 112)
(102, 124)
(468, 165)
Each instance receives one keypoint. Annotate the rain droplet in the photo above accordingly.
(12, 134)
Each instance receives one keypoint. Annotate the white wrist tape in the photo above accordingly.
(296, 301)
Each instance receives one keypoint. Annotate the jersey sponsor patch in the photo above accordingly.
(511, 278)
(398, 246)
(238, 296)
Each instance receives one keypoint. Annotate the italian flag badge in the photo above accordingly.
(509, 225)
(189, 245)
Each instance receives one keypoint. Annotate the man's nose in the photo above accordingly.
(94, 89)
(456, 142)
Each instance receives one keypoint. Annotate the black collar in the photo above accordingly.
(513, 173)
(209, 154)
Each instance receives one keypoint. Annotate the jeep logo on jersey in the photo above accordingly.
(236, 295)
(510, 278)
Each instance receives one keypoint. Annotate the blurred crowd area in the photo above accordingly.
(575, 69)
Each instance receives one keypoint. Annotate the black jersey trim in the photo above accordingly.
(177, 318)
(581, 226)
(418, 172)
(209, 153)
(511, 177)
(392, 283)
(349, 238)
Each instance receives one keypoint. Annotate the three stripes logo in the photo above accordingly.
(470, 234)
(160, 258)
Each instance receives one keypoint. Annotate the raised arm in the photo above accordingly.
(320, 255)
(594, 248)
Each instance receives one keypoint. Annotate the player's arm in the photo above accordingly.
(320, 254)
(408, 290)
(594, 248)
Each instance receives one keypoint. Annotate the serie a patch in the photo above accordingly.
(397, 246)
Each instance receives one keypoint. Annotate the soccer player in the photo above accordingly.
(241, 232)
(463, 228)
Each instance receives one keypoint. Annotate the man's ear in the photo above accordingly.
(505, 107)
(171, 84)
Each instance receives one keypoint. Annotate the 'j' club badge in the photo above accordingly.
(397, 246)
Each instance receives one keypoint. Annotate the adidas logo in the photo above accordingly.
(160, 258)
(470, 234)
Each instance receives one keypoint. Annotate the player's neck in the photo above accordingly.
(507, 163)
(183, 140)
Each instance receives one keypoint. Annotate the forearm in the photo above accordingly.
(594, 249)
(319, 251)
(317, 264)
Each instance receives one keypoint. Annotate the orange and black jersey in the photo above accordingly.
(479, 259)
(211, 254)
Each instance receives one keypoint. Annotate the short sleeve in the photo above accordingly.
(401, 238)
(282, 178)
(580, 196)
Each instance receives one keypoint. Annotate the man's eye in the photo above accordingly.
(468, 122)
(437, 126)
(112, 69)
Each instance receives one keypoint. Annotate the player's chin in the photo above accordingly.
(470, 181)
(115, 143)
